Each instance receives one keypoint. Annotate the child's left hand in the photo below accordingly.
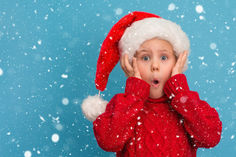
(179, 65)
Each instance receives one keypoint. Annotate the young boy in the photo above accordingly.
(157, 115)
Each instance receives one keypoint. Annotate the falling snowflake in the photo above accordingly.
(39, 42)
(199, 9)
(118, 11)
(65, 101)
(213, 46)
(65, 76)
(55, 138)
(1, 72)
(171, 7)
(27, 153)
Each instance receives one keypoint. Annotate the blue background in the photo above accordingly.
(48, 55)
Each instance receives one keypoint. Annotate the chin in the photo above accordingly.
(155, 97)
(155, 93)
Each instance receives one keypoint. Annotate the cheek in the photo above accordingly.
(167, 71)
(142, 69)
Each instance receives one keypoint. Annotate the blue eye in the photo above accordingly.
(163, 58)
(146, 58)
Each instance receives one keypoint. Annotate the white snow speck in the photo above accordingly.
(118, 11)
(201, 58)
(34, 47)
(183, 99)
(27, 153)
(64, 76)
(232, 137)
(201, 17)
(139, 123)
(38, 152)
(213, 46)
(204, 64)
(233, 63)
(59, 127)
(55, 138)
(231, 71)
(8, 133)
(46, 17)
(65, 101)
(39, 42)
(171, 7)
(199, 9)
(75, 101)
(227, 27)
(41, 118)
(217, 54)
(1, 72)
(88, 43)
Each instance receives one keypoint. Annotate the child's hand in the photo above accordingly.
(130, 71)
(179, 65)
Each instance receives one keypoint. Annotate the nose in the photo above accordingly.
(155, 66)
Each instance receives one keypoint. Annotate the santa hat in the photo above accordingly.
(126, 36)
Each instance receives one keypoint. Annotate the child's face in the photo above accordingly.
(155, 61)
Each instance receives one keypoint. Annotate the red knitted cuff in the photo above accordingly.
(137, 87)
(176, 84)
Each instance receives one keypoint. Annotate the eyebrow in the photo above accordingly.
(147, 50)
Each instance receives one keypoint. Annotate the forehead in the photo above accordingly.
(155, 45)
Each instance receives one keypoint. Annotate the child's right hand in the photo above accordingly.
(130, 70)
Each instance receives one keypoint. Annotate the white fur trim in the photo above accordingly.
(93, 106)
(149, 28)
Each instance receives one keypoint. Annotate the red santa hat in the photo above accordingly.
(126, 36)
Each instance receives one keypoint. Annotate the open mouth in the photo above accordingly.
(155, 83)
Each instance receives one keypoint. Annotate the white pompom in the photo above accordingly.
(93, 106)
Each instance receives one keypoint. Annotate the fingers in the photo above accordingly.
(127, 68)
(127, 64)
(179, 66)
(122, 63)
(179, 59)
(136, 71)
(182, 59)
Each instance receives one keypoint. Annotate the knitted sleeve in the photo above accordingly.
(115, 126)
(200, 120)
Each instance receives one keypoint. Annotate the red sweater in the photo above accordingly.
(173, 125)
